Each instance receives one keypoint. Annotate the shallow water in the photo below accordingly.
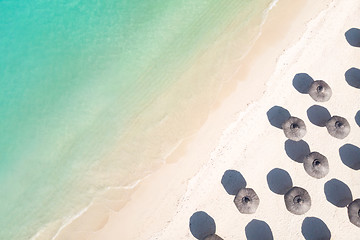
(92, 93)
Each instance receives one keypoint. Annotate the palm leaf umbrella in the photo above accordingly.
(297, 200)
(294, 128)
(213, 237)
(247, 201)
(354, 212)
(338, 127)
(320, 91)
(316, 165)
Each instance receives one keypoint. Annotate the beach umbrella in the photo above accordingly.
(213, 237)
(247, 201)
(316, 165)
(354, 212)
(338, 127)
(297, 200)
(294, 128)
(320, 91)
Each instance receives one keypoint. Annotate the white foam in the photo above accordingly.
(69, 220)
(131, 185)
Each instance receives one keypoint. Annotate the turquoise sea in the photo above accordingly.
(85, 97)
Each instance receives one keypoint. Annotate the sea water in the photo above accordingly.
(92, 93)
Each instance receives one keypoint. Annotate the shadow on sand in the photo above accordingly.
(357, 118)
(314, 228)
(257, 229)
(302, 82)
(201, 225)
(350, 156)
(337, 193)
(318, 115)
(233, 181)
(352, 77)
(353, 37)
(277, 116)
(279, 181)
(297, 150)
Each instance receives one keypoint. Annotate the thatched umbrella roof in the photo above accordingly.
(316, 165)
(320, 91)
(294, 128)
(338, 127)
(354, 212)
(297, 200)
(213, 237)
(247, 201)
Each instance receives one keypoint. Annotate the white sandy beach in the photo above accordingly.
(299, 37)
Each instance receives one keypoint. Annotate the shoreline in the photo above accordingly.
(184, 156)
(154, 142)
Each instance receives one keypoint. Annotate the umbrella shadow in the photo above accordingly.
(297, 150)
(277, 116)
(357, 118)
(201, 225)
(279, 181)
(302, 82)
(314, 228)
(318, 115)
(257, 229)
(352, 77)
(337, 193)
(350, 156)
(233, 181)
(353, 37)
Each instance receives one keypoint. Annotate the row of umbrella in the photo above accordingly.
(295, 129)
(338, 127)
(297, 199)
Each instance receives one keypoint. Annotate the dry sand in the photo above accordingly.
(298, 37)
